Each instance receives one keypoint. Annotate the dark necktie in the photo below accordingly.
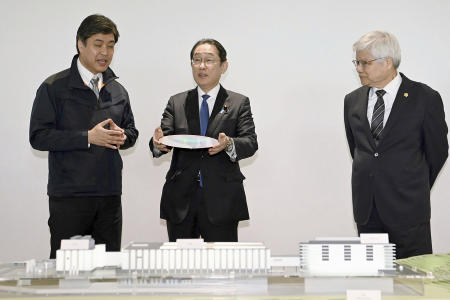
(376, 126)
(204, 115)
(204, 118)
(94, 84)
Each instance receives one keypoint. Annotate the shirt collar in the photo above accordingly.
(86, 75)
(391, 88)
(212, 93)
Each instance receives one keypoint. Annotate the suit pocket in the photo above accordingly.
(173, 174)
(234, 176)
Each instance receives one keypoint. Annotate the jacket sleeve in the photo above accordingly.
(44, 135)
(128, 126)
(167, 126)
(245, 142)
(435, 136)
(348, 129)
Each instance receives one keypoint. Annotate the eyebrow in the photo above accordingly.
(208, 53)
(103, 41)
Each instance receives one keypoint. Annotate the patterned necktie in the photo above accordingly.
(204, 115)
(204, 118)
(94, 86)
(376, 127)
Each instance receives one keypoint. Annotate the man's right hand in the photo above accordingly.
(109, 138)
(156, 136)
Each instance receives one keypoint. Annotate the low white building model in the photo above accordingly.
(80, 254)
(346, 257)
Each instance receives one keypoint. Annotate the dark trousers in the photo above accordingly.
(197, 224)
(409, 240)
(100, 217)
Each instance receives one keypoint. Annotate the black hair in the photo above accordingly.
(94, 24)
(219, 47)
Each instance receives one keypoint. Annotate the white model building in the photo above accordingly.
(80, 254)
(197, 256)
(345, 257)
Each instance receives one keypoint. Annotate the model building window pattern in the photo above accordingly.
(325, 253)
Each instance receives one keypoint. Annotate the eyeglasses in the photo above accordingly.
(197, 61)
(364, 63)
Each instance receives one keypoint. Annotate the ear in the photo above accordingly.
(224, 66)
(80, 45)
(390, 62)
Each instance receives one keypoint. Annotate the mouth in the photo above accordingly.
(102, 62)
(202, 75)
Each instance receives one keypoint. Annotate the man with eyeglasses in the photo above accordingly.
(397, 135)
(203, 195)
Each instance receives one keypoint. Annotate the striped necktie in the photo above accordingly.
(94, 86)
(376, 126)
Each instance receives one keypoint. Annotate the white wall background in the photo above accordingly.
(292, 58)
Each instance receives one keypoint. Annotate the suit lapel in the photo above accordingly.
(215, 118)
(192, 112)
(361, 111)
(397, 106)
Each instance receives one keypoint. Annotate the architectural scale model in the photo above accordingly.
(345, 257)
(319, 257)
(80, 254)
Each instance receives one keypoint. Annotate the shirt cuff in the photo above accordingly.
(232, 153)
(156, 151)
(86, 134)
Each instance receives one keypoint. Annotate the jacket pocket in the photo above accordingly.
(173, 174)
(234, 176)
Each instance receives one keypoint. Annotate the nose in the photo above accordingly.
(359, 68)
(103, 49)
(202, 65)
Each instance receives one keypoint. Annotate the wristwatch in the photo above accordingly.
(229, 146)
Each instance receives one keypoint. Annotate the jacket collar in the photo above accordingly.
(215, 118)
(77, 82)
(399, 102)
(402, 93)
(192, 111)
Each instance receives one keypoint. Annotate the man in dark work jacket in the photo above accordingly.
(82, 116)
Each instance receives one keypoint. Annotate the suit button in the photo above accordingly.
(376, 154)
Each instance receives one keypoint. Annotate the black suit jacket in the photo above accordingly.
(223, 190)
(398, 173)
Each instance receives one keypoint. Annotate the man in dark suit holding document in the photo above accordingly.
(204, 194)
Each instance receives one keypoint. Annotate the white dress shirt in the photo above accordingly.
(211, 100)
(86, 75)
(391, 92)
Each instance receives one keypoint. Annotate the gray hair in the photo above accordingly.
(380, 44)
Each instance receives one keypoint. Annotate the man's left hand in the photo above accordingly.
(113, 126)
(223, 141)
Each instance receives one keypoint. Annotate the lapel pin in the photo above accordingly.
(224, 109)
(405, 95)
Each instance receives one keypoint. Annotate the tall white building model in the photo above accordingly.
(345, 257)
